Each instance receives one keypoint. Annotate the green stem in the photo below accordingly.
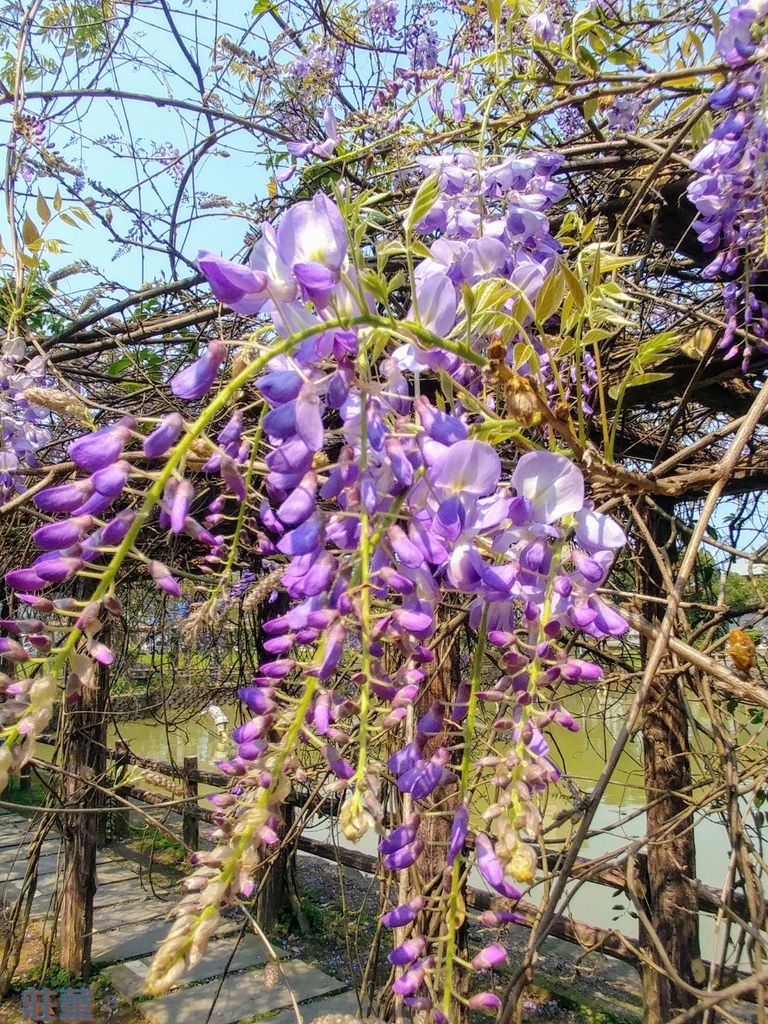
(365, 599)
(466, 767)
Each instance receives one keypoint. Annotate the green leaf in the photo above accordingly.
(590, 108)
(468, 296)
(624, 57)
(495, 431)
(637, 381)
(702, 130)
(597, 42)
(550, 295)
(574, 287)
(423, 201)
(396, 282)
(522, 353)
(375, 285)
(378, 342)
(116, 368)
(596, 334)
(656, 348)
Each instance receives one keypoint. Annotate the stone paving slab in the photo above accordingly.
(13, 840)
(129, 977)
(346, 1003)
(11, 820)
(106, 874)
(129, 891)
(46, 890)
(16, 869)
(14, 865)
(19, 851)
(109, 916)
(113, 871)
(242, 996)
(137, 940)
(12, 824)
(14, 837)
(41, 904)
(46, 883)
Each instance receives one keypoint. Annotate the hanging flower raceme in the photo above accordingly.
(448, 522)
(728, 188)
(374, 505)
(23, 421)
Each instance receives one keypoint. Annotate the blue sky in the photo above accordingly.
(230, 168)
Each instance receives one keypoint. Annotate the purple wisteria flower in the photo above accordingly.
(23, 423)
(541, 27)
(728, 186)
(241, 288)
(196, 380)
(355, 456)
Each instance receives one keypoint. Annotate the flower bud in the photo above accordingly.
(161, 574)
(163, 436)
(489, 957)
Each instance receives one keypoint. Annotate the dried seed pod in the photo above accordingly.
(741, 650)
(521, 400)
(271, 975)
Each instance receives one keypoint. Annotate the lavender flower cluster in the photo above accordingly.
(377, 502)
(729, 187)
(316, 68)
(382, 18)
(23, 427)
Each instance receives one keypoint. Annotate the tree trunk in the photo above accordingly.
(671, 899)
(83, 761)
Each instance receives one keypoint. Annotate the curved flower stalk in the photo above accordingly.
(376, 503)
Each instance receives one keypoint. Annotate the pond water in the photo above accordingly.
(600, 714)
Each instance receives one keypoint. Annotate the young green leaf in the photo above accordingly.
(423, 201)
(550, 296)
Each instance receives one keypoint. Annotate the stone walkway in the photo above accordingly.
(130, 922)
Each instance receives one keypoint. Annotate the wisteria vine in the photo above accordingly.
(373, 503)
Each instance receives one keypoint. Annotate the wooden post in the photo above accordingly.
(189, 820)
(25, 777)
(670, 866)
(119, 824)
(83, 762)
(280, 884)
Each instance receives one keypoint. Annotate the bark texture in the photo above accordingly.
(670, 889)
(84, 762)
